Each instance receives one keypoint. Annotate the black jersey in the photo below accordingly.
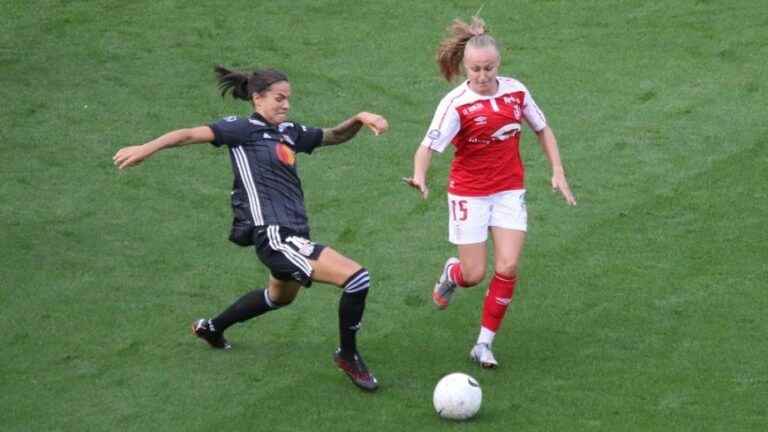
(266, 188)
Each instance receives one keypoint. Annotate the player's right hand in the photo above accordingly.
(421, 185)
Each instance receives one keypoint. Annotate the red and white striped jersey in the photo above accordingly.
(485, 131)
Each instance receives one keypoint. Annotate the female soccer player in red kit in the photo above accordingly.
(486, 191)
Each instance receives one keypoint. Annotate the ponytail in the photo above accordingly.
(450, 53)
(244, 85)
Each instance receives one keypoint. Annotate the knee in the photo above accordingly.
(472, 275)
(506, 269)
(358, 282)
(283, 299)
(280, 294)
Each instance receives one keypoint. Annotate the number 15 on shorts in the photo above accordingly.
(459, 210)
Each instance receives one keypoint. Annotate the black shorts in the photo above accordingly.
(286, 253)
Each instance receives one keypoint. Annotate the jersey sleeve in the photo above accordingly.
(304, 138)
(533, 114)
(444, 127)
(229, 131)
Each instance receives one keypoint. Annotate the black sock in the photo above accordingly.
(246, 307)
(351, 307)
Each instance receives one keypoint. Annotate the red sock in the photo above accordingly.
(497, 300)
(455, 274)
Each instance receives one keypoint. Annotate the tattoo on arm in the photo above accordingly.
(344, 131)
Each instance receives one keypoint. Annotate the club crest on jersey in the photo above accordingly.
(515, 102)
(509, 100)
(434, 134)
(285, 154)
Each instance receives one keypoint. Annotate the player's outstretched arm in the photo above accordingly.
(347, 129)
(549, 146)
(134, 155)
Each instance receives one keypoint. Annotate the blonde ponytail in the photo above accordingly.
(450, 53)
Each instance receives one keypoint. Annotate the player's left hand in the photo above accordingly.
(374, 122)
(560, 184)
(130, 156)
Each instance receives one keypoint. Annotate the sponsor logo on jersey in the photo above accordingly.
(230, 118)
(507, 131)
(285, 154)
(478, 140)
(481, 120)
(477, 106)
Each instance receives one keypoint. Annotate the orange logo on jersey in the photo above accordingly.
(285, 154)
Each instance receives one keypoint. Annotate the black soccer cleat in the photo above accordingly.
(203, 329)
(357, 371)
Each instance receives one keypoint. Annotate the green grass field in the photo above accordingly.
(639, 309)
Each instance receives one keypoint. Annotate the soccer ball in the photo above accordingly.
(457, 396)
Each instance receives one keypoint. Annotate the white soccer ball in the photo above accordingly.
(457, 396)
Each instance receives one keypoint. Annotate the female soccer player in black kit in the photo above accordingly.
(268, 207)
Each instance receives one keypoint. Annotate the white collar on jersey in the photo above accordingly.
(480, 96)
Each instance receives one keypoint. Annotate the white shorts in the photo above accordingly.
(470, 217)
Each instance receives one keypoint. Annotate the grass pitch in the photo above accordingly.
(640, 309)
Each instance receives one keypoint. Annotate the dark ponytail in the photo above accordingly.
(245, 85)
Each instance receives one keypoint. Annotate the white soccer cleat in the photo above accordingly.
(445, 287)
(481, 353)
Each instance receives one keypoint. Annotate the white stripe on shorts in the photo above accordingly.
(296, 258)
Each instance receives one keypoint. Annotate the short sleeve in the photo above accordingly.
(533, 114)
(304, 139)
(444, 127)
(229, 131)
